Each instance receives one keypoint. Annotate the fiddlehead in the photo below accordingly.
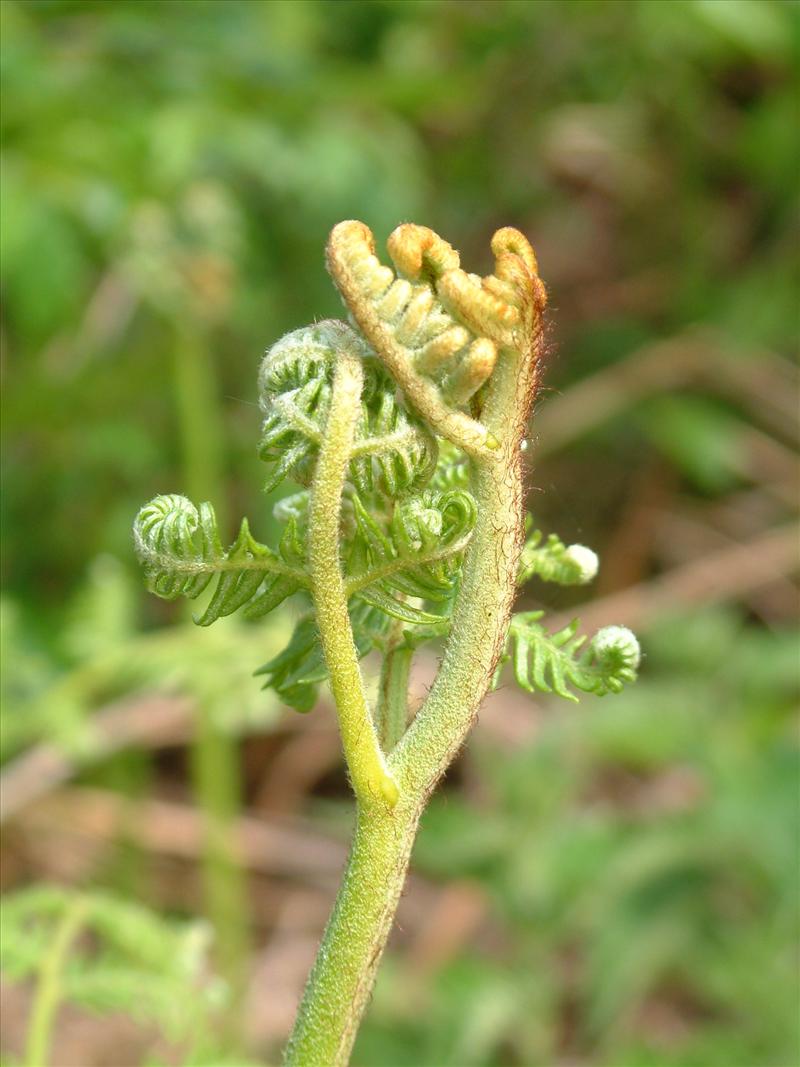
(393, 451)
(437, 329)
(553, 561)
(181, 552)
(551, 663)
(417, 554)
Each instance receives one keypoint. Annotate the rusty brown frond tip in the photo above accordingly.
(438, 329)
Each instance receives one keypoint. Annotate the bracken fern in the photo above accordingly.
(404, 432)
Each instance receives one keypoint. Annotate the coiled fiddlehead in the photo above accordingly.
(553, 561)
(393, 452)
(180, 548)
(551, 663)
(417, 554)
(438, 329)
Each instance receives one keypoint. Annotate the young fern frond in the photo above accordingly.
(418, 554)
(405, 428)
(438, 329)
(297, 672)
(393, 451)
(553, 561)
(180, 549)
(551, 663)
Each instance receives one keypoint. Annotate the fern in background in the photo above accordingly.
(109, 955)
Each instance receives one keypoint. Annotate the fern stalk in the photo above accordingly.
(48, 991)
(216, 782)
(344, 973)
(216, 777)
(365, 763)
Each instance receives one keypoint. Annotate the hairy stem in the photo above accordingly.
(341, 981)
(483, 607)
(503, 316)
(479, 624)
(48, 992)
(344, 973)
(370, 778)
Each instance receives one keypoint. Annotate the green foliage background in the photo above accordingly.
(170, 174)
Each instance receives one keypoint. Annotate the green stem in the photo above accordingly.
(342, 978)
(483, 607)
(48, 991)
(368, 773)
(479, 624)
(199, 423)
(341, 981)
(391, 716)
(216, 782)
(216, 776)
(129, 774)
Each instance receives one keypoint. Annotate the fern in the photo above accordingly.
(447, 324)
(402, 544)
(437, 329)
(394, 451)
(551, 663)
(390, 563)
(136, 962)
(297, 672)
(553, 561)
(417, 554)
(394, 550)
(180, 549)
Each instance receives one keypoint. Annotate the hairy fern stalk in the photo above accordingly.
(403, 430)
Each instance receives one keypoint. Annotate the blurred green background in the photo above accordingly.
(614, 884)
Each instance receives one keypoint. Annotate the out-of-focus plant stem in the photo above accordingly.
(216, 775)
(48, 992)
